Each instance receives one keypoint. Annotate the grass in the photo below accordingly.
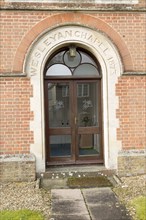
(139, 204)
(23, 214)
(86, 182)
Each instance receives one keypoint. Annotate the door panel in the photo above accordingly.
(87, 104)
(88, 118)
(73, 122)
(58, 105)
(60, 145)
(58, 120)
(89, 144)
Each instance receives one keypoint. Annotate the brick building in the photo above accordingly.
(73, 85)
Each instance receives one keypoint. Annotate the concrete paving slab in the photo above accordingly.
(67, 194)
(104, 205)
(87, 204)
(96, 195)
(68, 204)
(103, 212)
(70, 217)
(69, 207)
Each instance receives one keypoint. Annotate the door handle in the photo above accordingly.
(75, 120)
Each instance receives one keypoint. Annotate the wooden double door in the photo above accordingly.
(73, 121)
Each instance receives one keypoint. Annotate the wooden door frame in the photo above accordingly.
(54, 131)
(81, 130)
(73, 131)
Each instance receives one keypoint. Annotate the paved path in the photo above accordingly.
(87, 204)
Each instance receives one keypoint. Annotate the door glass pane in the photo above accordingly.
(87, 59)
(86, 69)
(87, 108)
(89, 144)
(59, 107)
(60, 145)
(58, 70)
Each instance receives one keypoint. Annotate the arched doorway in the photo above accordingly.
(102, 48)
(73, 116)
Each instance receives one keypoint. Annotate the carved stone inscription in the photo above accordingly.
(70, 35)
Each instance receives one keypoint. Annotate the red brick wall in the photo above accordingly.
(132, 111)
(129, 26)
(16, 136)
(14, 26)
(15, 115)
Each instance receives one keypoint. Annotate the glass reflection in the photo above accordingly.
(86, 69)
(87, 59)
(58, 94)
(60, 145)
(87, 106)
(58, 70)
(89, 144)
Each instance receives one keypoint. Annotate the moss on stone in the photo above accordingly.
(85, 182)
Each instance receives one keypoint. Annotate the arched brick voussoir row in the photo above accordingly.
(71, 18)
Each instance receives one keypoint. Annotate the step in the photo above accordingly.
(57, 177)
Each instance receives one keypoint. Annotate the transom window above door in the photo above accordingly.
(72, 62)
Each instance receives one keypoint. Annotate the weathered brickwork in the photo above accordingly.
(17, 168)
(15, 25)
(131, 91)
(15, 115)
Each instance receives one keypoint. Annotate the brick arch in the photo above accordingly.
(71, 18)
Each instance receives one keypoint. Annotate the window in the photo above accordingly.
(65, 91)
(83, 90)
(81, 64)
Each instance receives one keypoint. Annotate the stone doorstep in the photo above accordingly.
(62, 183)
(56, 177)
(74, 171)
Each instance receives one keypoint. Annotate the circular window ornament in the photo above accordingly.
(72, 61)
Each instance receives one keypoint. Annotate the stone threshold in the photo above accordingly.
(75, 170)
(57, 176)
